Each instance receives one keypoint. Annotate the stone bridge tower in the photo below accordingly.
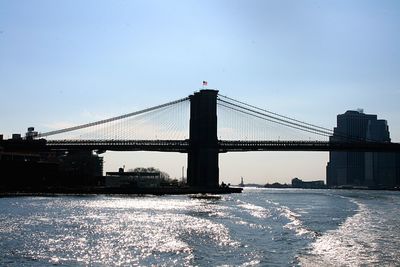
(203, 170)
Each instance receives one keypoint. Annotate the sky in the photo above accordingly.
(69, 62)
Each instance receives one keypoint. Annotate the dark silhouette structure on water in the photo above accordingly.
(202, 171)
(202, 146)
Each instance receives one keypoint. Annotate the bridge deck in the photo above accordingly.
(121, 145)
(183, 146)
(242, 146)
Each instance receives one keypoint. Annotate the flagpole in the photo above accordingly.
(205, 83)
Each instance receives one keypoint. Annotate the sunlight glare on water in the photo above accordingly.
(121, 230)
(260, 227)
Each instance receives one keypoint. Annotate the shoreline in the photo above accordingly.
(116, 191)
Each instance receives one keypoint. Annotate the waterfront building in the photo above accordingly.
(22, 169)
(298, 183)
(140, 179)
(81, 167)
(362, 168)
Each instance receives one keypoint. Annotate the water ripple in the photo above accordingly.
(256, 228)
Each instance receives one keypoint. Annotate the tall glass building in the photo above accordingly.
(362, 168)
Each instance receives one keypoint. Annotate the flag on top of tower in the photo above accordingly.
(205, 83)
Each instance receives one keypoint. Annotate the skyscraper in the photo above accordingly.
(362, 168)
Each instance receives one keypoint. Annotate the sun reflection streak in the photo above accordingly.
(122, 231)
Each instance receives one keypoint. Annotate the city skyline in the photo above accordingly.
(68, 63)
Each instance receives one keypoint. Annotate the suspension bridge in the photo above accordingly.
(217, 124)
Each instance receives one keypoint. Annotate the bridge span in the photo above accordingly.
(123, 133)
(223, 146)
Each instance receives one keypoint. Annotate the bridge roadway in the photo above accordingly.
(120, 145)
(183, 146)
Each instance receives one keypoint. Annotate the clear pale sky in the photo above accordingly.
(70, 62)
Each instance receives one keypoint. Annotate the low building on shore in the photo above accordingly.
(133, 179)
(298, 183)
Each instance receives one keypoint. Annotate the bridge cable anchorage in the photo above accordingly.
(100, 122)
(285, 122)
(276, 114)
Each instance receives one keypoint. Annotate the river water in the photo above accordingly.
(260, 227)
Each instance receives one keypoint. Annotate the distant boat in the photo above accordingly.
(206, 196)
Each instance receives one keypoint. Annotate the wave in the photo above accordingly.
(294, 218)
(356, 242)
(254, 210)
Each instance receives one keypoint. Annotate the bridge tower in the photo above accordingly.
(203, 171)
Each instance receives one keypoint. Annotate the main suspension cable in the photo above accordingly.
(276, 114)
(74, 128)
(286, 122)
(277, 122)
